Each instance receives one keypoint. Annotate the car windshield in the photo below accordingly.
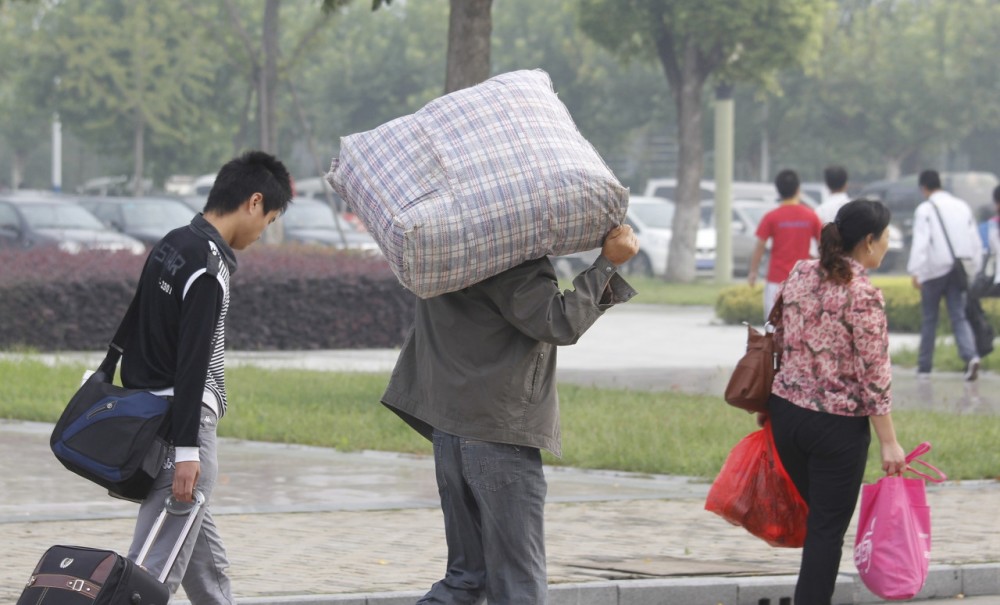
(707, 216)
(655, 215)
(755, 214)
(311, 216)
(147, 214)
(59, 216)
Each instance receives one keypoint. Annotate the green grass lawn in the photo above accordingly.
(704, 291)
(655, 291)
(664, 433)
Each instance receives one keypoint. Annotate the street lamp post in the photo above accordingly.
(723, 183)
(56, 152)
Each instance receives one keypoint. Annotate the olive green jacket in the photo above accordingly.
(481, 362)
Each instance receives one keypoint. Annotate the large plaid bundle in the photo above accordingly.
(477, 182)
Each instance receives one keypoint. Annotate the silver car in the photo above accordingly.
(747, 214)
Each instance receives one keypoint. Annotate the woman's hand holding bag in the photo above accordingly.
(893, 545)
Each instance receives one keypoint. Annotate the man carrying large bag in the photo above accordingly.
(466, 197)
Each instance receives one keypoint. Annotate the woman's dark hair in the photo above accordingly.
(855, 221)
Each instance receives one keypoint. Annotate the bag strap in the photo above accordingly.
(914, 456)
(117, 345)
(947, 240)
(774, 317)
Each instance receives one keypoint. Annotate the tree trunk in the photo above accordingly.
(469, 28)
(138, 154)
(893, 168)
(688, 97)
(20, 160)
(268, 77)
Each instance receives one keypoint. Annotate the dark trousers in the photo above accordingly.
(493, 499)
(825, 455)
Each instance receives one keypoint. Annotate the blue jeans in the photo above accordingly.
(931, 292)
(493, 499)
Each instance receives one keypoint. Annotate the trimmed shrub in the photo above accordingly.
(283, 298)
(741, 303)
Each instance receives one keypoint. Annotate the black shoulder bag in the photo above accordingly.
(113, 436)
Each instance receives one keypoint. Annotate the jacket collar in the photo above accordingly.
(205, 228)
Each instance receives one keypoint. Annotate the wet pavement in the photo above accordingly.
(359, 527)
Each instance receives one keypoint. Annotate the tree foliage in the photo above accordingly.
(693, 41)
(887, 86)
(132, 64)
(922, 87)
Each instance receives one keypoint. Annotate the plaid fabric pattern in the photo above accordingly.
(477, 182)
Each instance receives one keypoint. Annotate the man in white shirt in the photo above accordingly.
(993, 242)
(940, 220)
(836, 182)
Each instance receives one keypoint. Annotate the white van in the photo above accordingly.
(742, 190)
(203, 184)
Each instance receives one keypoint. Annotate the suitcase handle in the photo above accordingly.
(176, 508)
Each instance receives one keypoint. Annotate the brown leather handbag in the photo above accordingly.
(750, 385)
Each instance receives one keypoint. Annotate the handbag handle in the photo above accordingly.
(914, 456)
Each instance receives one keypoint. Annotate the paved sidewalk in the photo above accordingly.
(312, 525)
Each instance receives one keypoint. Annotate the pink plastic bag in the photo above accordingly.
(893, 546)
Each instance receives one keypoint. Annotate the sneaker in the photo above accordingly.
(923, 376)
(972, 370)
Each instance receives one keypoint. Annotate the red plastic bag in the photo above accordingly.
(754, 491)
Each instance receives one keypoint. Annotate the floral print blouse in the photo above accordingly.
(834, 343)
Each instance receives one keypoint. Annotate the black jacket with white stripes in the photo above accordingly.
(178, 345)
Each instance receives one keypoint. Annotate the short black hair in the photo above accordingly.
(250, 173)
(835, 177)
(787, 183)
(930, 180)
(996, 194)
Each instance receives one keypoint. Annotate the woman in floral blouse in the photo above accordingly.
(835, 376)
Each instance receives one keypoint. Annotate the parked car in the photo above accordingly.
(652, 220)
(308, 221)
(902, 196)
(320, 190)
(746, 215)
(741, 190)
(203, 184)
(52, 221)
(147, 219)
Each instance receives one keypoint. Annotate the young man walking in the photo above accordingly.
(791, 228)
(177, 351)
(836, 181)
(943, 230)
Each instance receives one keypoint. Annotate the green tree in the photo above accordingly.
(27, 84)
(904, 78)
(133, 64)
(695, 40)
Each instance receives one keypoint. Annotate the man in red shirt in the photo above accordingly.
(791, 227)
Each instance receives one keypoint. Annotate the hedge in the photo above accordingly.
(283, 298)
(740, 304)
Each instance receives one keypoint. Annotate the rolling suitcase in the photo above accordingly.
(71, 575)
